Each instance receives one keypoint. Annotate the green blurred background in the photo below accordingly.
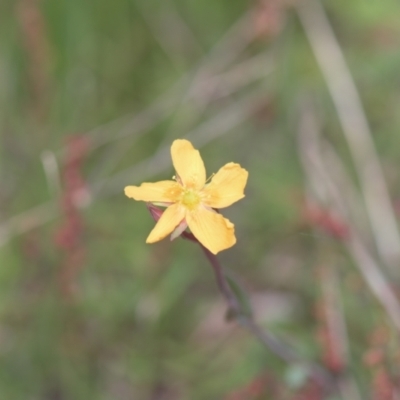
(92, 94)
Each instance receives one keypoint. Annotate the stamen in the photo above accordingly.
(177, 179)
(210, 177)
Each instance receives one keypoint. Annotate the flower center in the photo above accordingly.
(190, 199)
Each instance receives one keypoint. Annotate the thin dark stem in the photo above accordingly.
(233, 304)
(276, 346)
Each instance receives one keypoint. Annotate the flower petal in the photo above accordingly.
(211, 229)
(163, 191)
(188, 164)
(169, 220)
(226, 187)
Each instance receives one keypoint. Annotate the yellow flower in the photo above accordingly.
(191, 202)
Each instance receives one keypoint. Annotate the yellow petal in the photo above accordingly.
(211, 229)
(170, 219)
(188, 164)
(226, 187)
(163, 191)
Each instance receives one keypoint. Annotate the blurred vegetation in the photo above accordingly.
(92, 94)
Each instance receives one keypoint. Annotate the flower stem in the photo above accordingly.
(235, 308)
(276, 346)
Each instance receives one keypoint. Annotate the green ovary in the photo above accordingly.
(190, 199)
